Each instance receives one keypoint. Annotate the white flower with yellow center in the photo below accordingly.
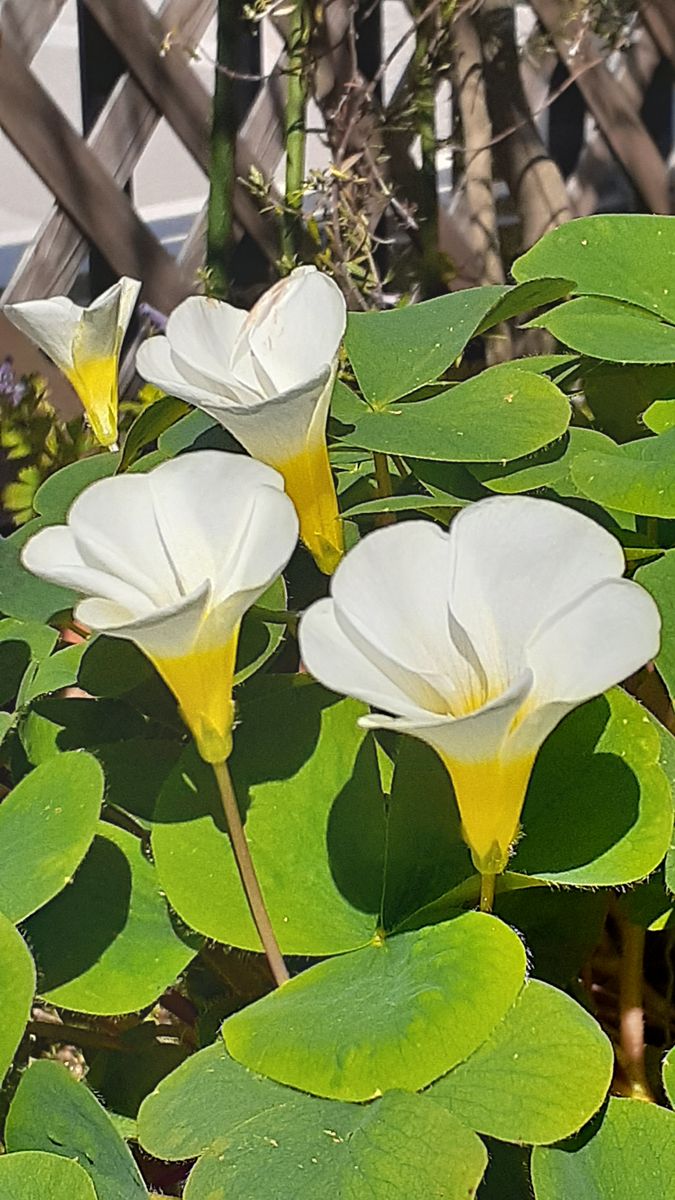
(267, 377)
(479, 640)
(85, 344)
(172, 560)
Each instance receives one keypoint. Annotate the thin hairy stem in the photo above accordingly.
(248, 876)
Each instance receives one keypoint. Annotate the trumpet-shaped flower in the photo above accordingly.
(85, 344)
(172, 560)
(478, 641)
(267, 377)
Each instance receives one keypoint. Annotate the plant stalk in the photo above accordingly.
(220, 222)
(487, 892)
(248, 876)
(295, 131)
(631, 1010)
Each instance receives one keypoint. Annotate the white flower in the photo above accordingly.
(172, 560)
(266, 376)
(480, 640)
(85, 344)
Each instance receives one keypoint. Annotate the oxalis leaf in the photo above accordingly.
(37, 1175)
(516, 1085)
(17, 987)
(23, 644)
(626, 1153)
(598, 811)
(395, 352)
(47, 824)
(610, 330)
(264, 1140)
(501, 414)
(627, 257)
(638, 477)
(53, 1112)
(659, 580)
(306, 779)
(395, 1014)
(548, 468)
(106, 944)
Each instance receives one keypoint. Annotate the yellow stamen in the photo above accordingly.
(202, 684)
(490, 797)
(95, 381)
(309, 484)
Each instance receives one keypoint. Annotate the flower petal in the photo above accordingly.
(51, 324)
(155, 362)
(278, 429)
(295, 329)
(477, 738)
(115, 529)
(224, 516)
(591, 646)
(331, 656)
(392, 589)
(53, 554)
(104, 323)
(516, 561)
(202, 334)
(166, 632)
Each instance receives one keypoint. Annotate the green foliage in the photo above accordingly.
(395, 1014)
(127, 951)
(641, 274)
(421, 1050)
(599, 770)
(635, 478)
(17, 984)
(515, 1086)
(47, 824)
(627, 1153)
(306, 773)
(34, 1174)
(503, 413)
(259, 1138)
(394, 353)
(659, 579)
(53, 1113)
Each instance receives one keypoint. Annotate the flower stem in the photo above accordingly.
(631, 1011)
(248, 876)
(487, 892)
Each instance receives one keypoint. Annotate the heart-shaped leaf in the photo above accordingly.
(395, 1014)
(47, 824)
(627, 1153)
(53, 1112)
(501, 414)
(17, 987)
(515, 1086)
(638, 477)
(127, 951)
(34, 1174)
(630, 258)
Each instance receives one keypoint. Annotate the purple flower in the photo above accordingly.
(11, 388)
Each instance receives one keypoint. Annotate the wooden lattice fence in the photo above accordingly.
(88, 176)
